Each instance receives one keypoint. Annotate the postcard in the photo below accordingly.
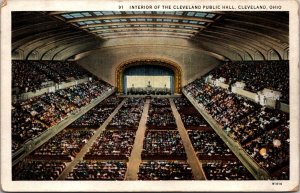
(102, 96)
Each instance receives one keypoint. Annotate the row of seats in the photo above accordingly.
(160, 115)
(64, 145)
(38, 170)
(112, 144)
(95, 117)
(128, 117)
(230, 170)
(165, 170)
(98, 170)
(209, 146)
(163, 145)
(189, 115)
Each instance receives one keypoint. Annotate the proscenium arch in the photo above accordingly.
(151, 61)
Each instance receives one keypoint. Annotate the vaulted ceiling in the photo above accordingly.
(61, 35)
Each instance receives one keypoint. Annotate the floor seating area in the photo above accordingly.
(231, 170)
(165, 170)
(128, 117)
(160, 116)
(97, 115)
(190, 117)
(160, 145)
(38, 170)
(98, 170)
(112, 145)
(63, 146)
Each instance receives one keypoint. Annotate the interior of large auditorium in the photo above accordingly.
(150, 95)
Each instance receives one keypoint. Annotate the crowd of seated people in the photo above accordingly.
(190, 117)
(160, 115)
(148, 91)
(84, 93)
(224, 106)
(230, 170)
(112, 101)
(62, 104)
(252, 126)
(159, 110)
(63, 146)
(257, 75)
(209, 146)
(255, 124)
(45, 112)
(163, 145)
(182, 103)
(165, 170)
(160, 102)
(128, 117)
(52, 74)
(112, 144)
(24, 127)
(271, 150)
(29, 76)
(98, 170)
(33, 116)
(95, 117)
(51, 108)
(38, 170)
(66, 69)
(161, 121)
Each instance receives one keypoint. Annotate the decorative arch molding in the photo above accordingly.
(258, 56)
(153, 61)
(18, 54)
(34, 55)
(273, 55)
(286, 54)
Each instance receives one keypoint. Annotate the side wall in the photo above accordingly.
(104, 61)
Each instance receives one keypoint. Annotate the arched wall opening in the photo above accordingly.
(149, 78)
(149, 67)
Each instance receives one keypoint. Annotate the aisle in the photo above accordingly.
(135, 157)
(191, 155)
(86, 147)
